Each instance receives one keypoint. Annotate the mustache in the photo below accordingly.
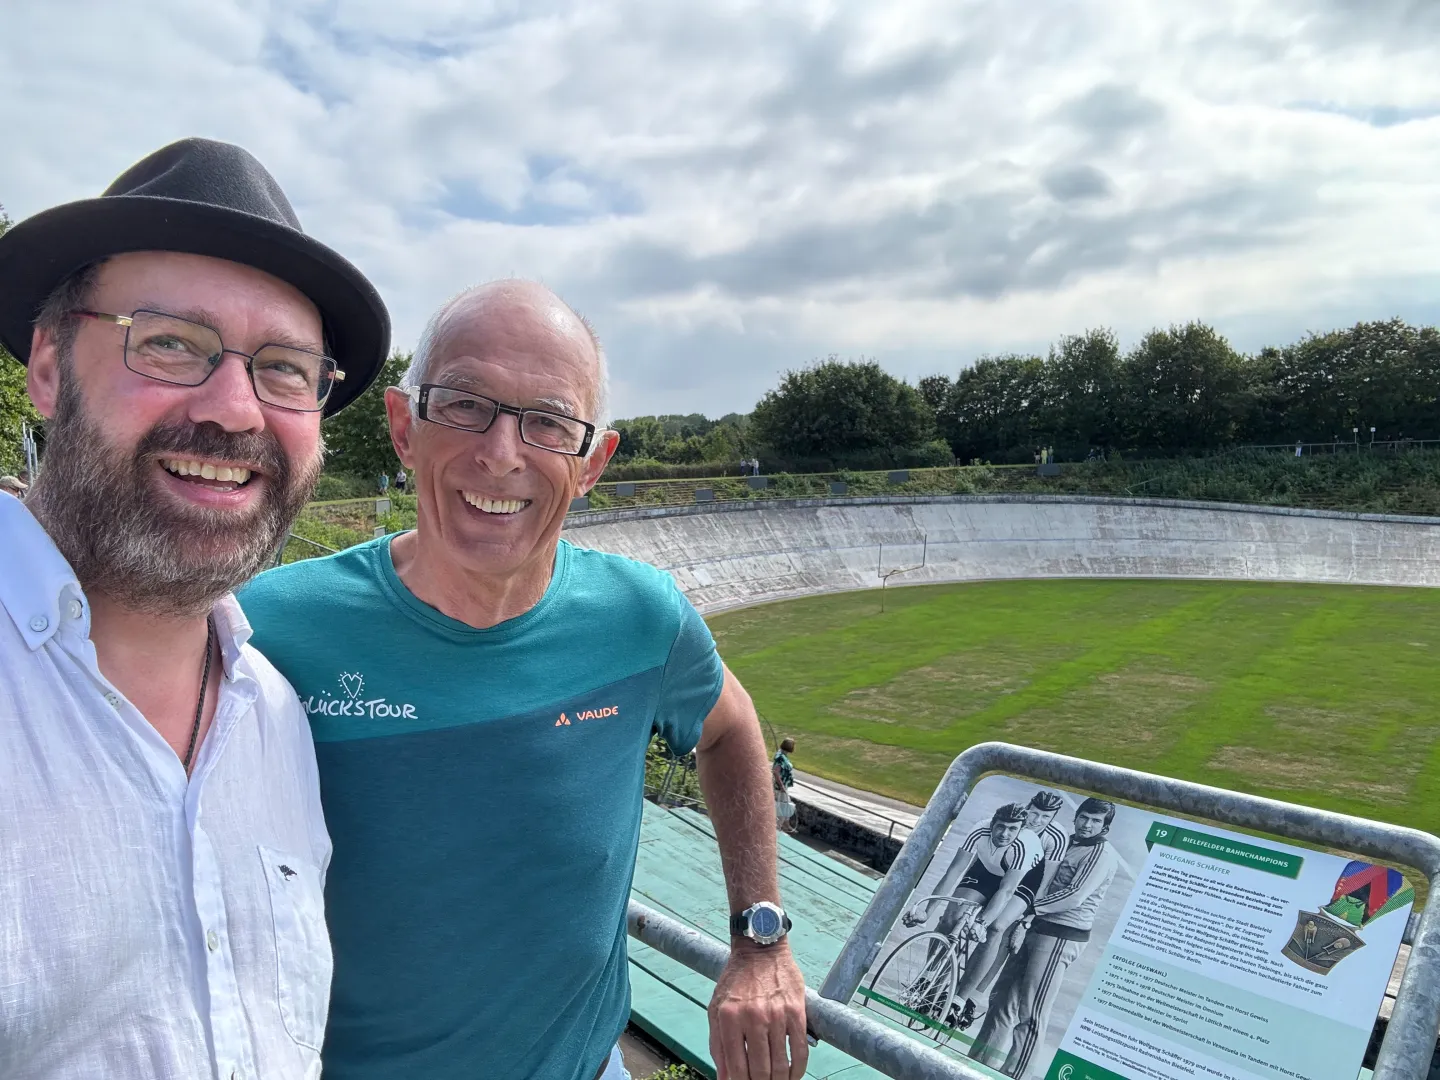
(261, 450)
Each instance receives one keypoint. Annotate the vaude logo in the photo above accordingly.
(351, 703)
(565, 720)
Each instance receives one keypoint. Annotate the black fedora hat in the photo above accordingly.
(203, 198)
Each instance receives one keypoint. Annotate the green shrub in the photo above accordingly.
(684, 783)
(933, 455)
(676, 1072)
(339, 486)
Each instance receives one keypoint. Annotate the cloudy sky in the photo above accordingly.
(732, 189)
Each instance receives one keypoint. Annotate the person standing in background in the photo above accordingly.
(782, 776)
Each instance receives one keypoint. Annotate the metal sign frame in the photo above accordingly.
(1409, 1043)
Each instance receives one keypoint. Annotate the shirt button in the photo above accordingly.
(113, 699)
(76, 609)
(39, 624)
(212, 940)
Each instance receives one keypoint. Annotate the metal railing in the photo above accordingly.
(280, 555)
(869, 811)
(868, 1041)
(1345, 446)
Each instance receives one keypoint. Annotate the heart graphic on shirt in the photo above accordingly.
(352, 682)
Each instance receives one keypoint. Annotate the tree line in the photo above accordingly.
(1186, 389)
(1181, 389)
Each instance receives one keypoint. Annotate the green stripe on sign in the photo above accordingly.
(1231, 851)
(881, 999)
(1067, 1066)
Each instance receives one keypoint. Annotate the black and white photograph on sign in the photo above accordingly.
(995, 947)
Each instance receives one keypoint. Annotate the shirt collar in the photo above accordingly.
(232, 630)
(38, 587)
(39, 590)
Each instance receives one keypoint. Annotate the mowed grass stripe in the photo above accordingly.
(1325, 695)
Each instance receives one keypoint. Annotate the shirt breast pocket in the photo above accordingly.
(302, 945)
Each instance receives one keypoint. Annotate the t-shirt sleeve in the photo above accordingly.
(1013, 857)
(691, 683)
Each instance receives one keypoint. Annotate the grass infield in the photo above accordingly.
(1317, 694)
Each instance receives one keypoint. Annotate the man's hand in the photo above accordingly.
(978, 929)
(758, 1004)
(1017, 935)
(914, 917)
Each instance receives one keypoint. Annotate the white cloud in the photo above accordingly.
(728, 189)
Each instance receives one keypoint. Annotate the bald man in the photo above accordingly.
(481, 695)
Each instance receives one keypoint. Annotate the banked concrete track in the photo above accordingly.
(727, 555)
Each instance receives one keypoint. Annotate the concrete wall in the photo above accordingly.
(727, 555)
(873, 848)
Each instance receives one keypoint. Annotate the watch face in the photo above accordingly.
(764, 922)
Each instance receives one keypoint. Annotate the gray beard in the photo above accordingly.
(125, 539)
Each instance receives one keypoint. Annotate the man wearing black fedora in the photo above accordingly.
(162, 850)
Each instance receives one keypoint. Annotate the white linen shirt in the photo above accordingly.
(150, 926)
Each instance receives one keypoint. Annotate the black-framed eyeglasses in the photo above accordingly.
(467, 411)
(173, 350)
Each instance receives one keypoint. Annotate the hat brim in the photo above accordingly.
(40, 252)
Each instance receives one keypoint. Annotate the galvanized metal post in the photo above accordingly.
(1409, 1041)
(32, 457)
(866, 1040)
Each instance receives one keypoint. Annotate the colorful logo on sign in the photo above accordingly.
(1363, 893)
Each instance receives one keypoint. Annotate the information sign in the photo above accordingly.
(1055, 937)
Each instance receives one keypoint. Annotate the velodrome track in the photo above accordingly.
(733, 554)
(730, 555)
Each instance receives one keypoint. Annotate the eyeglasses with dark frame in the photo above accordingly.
(464, 410)
(181, 352)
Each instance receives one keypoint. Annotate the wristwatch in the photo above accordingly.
(763, 923)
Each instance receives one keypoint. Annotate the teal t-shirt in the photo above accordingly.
(483, 792)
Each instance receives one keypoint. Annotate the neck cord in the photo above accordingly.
(204, 686)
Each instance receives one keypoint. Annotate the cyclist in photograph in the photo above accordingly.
(990, 957)
(1040, 819)
(1064, 918)
(1039, 831)
(990, 870)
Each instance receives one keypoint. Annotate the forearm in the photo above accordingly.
(997, 902)
(735, 780)
(950, 880)
(757, 1012)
